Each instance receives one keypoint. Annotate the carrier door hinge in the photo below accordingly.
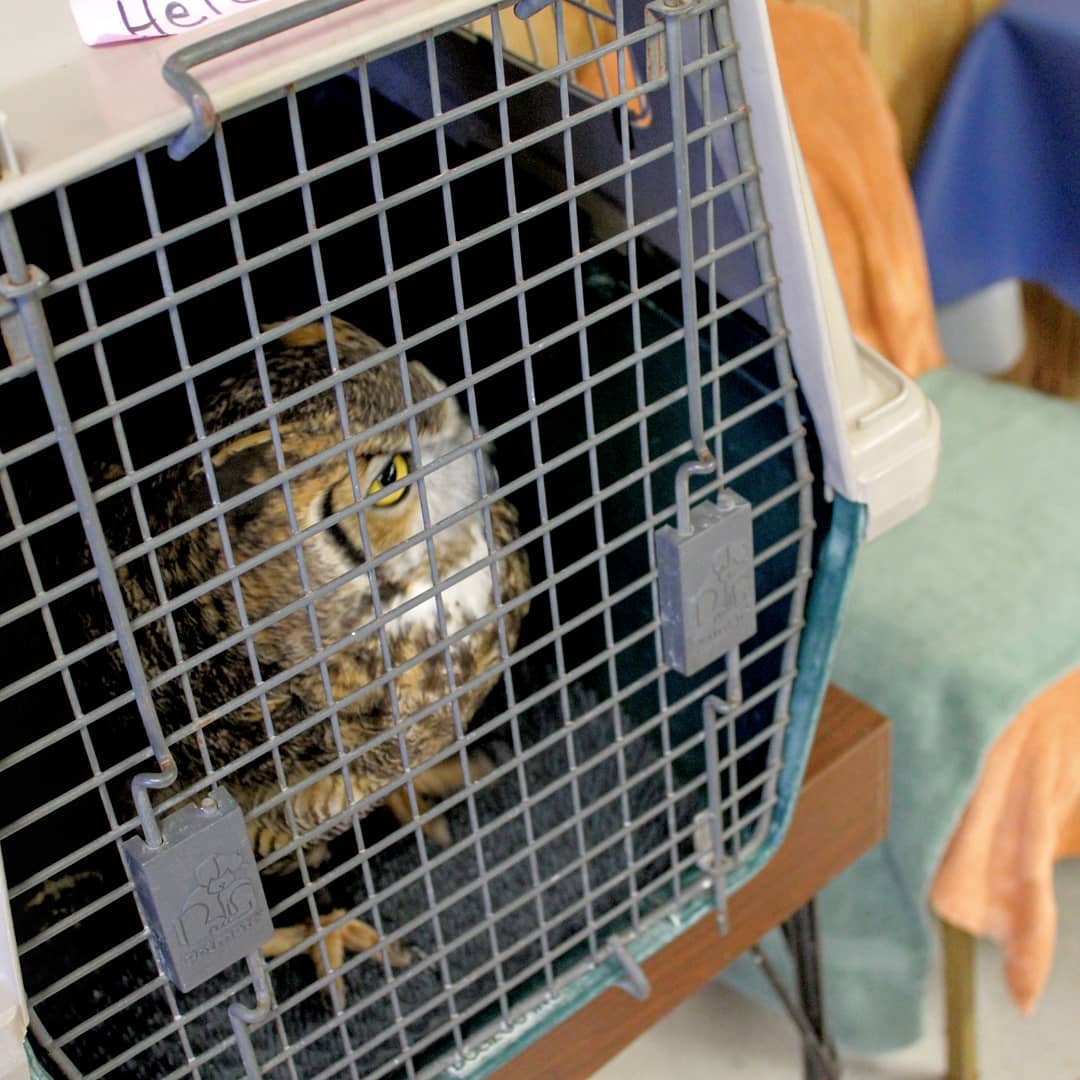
(12, 297)
(656, 62)
(713, 860)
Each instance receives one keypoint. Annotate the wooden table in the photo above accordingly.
(842, 811)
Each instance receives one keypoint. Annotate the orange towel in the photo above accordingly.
(851, 146)
(996, 878)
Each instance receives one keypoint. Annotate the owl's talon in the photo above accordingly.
(437, 830)
(284, 939)
(480, 764)
(354, 936)
(433, 784)
(402, 955)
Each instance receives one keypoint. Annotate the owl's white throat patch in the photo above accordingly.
(466, 600)
(448, 491)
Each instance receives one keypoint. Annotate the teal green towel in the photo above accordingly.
(955, 620)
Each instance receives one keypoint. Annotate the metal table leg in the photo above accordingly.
(960, 1002)
(807, 1008)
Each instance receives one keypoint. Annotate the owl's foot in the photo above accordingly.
(353, 936)
(433, 784)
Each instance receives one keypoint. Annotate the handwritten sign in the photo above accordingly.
(106, 22)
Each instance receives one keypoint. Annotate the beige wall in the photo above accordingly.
(912, 45)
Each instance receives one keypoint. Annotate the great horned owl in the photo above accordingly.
(292, 599)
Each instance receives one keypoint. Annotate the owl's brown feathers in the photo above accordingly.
(327, 577)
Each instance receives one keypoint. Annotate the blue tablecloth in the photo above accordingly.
(998, 185)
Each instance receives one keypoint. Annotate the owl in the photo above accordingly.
(341, 596)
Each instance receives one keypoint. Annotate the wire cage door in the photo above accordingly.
(334, 469)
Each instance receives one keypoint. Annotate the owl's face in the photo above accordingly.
(353, 506)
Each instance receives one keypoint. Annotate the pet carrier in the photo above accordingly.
(433, 452)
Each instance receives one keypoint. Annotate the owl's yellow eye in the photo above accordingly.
(397, 468)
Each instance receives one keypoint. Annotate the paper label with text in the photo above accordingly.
(106, 22)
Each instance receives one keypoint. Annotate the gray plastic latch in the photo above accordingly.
(200, 891)
(707, 583)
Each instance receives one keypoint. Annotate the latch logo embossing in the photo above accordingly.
(726, 593)
(222, 898)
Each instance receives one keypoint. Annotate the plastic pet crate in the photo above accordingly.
(495, 616)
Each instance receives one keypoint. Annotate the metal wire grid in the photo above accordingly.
(749, 800)
(531, 47)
